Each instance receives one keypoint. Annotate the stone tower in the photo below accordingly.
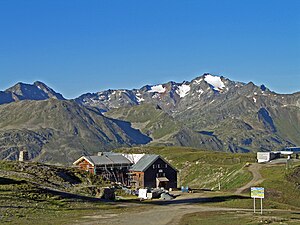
(23, 155)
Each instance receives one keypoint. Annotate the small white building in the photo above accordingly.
(267, 156)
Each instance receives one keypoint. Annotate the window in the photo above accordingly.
(158, 165)
(166, 166)
(160, 174)
(153, 166)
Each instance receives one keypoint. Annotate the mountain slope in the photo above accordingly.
(162, 128)
(208, 112)
(60, 131)
(239, 116)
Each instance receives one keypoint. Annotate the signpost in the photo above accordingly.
(257, 192)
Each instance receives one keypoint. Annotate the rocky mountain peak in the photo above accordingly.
(22, 91)
(167, 95)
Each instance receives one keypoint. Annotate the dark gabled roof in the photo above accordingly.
(146, 161)
(106, 159)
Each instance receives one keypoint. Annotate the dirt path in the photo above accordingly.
(257, 178)
(171, 212)
(157, 215)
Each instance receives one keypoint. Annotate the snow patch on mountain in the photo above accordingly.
(157, 88)
(215, 82)
(200, 92)
(198, 81)
(183, 90)
(139, 98)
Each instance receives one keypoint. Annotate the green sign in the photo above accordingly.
(257, 192)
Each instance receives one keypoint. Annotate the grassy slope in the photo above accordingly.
(280, 187)
(44, 194)
(282, 191)
(287, 122)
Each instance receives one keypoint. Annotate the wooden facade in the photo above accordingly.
(137, 179)
(112, 167)
(86, 166)
(157, 174)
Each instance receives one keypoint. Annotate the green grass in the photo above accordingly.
(239, 217)
(242, 177)
(228, 200)
(282, 190)
(277, 186)
(59, 212)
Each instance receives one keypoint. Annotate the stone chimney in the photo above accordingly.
(100, 154)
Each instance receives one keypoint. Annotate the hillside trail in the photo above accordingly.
(256, 180)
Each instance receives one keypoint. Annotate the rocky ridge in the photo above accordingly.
(208, 112)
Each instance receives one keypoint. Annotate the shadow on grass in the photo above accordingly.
(55, 196)
(60, 198)
(203, 200)
(71, 196)
(7, 181)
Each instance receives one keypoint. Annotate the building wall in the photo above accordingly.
(160, 169)
(266, 156)
(263, 157)
(138, 177)
(86, 166)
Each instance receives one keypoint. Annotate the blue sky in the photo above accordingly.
(79, 46)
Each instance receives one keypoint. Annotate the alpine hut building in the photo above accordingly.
(152, 171)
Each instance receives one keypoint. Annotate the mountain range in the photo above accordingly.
(209, 112)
